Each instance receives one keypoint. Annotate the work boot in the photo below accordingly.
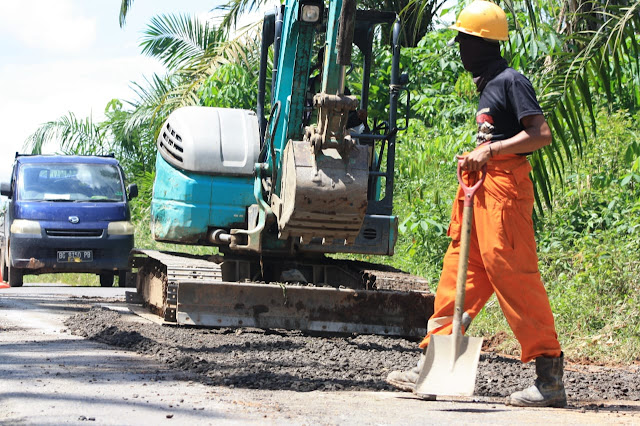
(548, 390)
(406, 380)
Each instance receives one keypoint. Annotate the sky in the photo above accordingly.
(59, 56)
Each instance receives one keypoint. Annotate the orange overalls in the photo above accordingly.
(502, 259)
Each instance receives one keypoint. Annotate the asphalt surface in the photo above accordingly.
(153, 374)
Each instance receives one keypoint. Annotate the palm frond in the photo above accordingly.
(175, 39)
(154, 102)
(593, 61)
(135, 148)
(243, 50)
(72, 134)
(235, 8)
(417, 16)
(125, 5)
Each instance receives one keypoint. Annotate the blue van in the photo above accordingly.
(66, 214)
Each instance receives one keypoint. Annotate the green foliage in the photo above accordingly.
(125, 5)
(425, 187)
(90, 280)
(235, 8)
(134, 147)
(578, 60)
(231, 86)
(442, 91)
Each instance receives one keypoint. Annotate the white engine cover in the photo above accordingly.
(217, 141)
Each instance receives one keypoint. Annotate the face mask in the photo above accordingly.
(477, 54)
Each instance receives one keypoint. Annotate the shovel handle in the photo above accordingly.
(463, 260)
(470, 191)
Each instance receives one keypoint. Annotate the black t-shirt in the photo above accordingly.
(506, 99)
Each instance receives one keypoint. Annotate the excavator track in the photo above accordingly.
(195, 290)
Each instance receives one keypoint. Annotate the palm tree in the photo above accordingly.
(86, 137)
(193, 51)
(595, 55)
(134, 147)
(75, 135)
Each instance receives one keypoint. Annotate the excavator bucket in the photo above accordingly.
(323, 195)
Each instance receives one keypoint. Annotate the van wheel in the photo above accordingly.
(106, 279)
(125, 279)
(3, 268)
(15, 276)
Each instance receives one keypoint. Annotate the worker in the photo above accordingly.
(502, 256)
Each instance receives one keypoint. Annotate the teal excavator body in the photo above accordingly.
(276, 189)
(250, 182)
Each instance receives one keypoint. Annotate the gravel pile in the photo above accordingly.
(291, 360)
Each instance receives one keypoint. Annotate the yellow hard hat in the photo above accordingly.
(483, 19)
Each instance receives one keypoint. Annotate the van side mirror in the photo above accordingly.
(133, 191)
(5, 189)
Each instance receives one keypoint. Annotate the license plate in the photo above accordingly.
(75, 256)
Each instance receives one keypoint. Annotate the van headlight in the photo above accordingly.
(21, 226)
(120, 228)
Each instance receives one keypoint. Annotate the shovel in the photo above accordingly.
(451, 362)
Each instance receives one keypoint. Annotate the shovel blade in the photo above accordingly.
(444, 373)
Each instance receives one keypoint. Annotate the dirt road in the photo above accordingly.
(64, 359)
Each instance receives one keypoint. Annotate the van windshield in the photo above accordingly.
(70, 182)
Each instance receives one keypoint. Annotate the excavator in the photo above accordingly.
(281, 189)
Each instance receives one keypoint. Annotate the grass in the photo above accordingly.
(71, 279)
